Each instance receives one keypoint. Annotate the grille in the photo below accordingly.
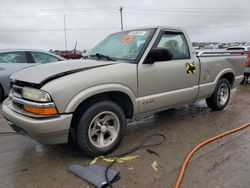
(16, 91)
(17, 106)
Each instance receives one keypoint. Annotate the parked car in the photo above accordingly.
(70, 54)
(246, 50)
(14, 60)
(129, 73)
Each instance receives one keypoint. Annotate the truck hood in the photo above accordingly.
(44, 73)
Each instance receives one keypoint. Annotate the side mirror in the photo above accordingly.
(159, 54)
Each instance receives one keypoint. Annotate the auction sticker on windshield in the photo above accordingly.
(137, 33)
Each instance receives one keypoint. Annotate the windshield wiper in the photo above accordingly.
(101, 56)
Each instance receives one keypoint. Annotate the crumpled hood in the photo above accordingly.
(43, 73)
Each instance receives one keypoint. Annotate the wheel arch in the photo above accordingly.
(229, 76)
(108, 91)
(122, 99)
(207, 89)
(80, 103)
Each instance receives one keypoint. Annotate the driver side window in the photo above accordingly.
(176, 43)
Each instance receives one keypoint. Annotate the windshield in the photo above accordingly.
(124, 45)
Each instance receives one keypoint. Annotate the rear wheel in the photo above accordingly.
(101, 128)
(219, 99)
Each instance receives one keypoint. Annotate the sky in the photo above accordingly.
(39, 24)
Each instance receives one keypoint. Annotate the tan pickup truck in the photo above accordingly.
(129, 73)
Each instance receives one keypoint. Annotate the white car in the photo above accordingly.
(15, 60)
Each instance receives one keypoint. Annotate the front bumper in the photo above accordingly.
(51, 130)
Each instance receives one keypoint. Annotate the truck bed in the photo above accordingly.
(215, 63)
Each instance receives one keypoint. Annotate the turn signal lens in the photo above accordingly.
(41, 111)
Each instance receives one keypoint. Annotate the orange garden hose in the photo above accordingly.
(196, 148)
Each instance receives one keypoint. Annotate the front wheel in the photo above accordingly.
(219, 99)
(101, 128)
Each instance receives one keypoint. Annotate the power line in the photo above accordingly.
(127, 7)
(108, 9)
(215, 27)
(170, 13)
(188, 12)
(184, 15)
(58, 30)
(56, 14)
(57, 9)
(111, 28)
(140, 10)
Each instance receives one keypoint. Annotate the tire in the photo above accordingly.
(101, 128)
(219, 99)
(243, 82)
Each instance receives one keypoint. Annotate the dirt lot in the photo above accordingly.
(224, 163)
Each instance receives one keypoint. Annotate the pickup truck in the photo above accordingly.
(129, 73)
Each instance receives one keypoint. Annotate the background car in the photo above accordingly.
(14, 60)
(70, 54)
(246, 50)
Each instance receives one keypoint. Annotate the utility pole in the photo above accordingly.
(75, 47)
(121, 9)
(65, 31)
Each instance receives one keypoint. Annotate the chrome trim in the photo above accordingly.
(30, 103)
(17, 87)
(220, 53)
(15, 94)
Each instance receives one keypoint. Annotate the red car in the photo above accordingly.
(69, 54)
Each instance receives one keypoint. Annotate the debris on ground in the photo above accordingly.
(131, 168)
(153, 152)
(154, 166)
(94, 174)
(112, 159)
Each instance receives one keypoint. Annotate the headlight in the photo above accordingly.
(35, 95)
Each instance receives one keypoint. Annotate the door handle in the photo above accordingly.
(1, 68)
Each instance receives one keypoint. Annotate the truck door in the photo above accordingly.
(168, 83)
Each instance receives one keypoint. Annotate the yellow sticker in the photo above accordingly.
(190, 69)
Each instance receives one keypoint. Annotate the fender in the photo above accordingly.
(98, 89)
